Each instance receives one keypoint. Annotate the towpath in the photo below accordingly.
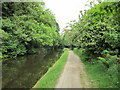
(73, 75)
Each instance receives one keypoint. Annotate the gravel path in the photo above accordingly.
(73, 75)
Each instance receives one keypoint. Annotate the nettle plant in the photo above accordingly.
(108, 60)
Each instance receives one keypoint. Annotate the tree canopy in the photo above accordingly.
(97, 34)
(27, 26)
(97, 30)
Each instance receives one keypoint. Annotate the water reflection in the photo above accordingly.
(24, 71)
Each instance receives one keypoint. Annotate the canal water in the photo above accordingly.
(25, 71)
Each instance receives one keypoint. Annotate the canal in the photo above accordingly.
(25, 71)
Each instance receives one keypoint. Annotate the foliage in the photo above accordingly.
(27, 26)
(108, 61)
(97, 35)
(50, 78)
(100, 76)
(97, 32)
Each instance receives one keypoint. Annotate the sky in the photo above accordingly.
(65, 10)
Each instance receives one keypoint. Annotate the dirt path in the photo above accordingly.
(73, 75)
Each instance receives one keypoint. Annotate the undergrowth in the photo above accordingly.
(100, 76)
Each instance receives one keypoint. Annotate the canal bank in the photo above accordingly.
(49, 80)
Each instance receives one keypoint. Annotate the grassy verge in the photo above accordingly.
(49, 80)
(99, 75)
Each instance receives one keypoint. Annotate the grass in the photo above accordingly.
(100, 77)
(98, 74)
(49, 80)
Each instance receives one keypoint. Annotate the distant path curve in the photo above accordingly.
(73, 75)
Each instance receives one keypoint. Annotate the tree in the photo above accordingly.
(27, 26)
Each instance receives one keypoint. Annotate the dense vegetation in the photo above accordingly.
(27, 26)
(98, 74)
(97, 34)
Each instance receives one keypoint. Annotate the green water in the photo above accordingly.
(25, 71)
